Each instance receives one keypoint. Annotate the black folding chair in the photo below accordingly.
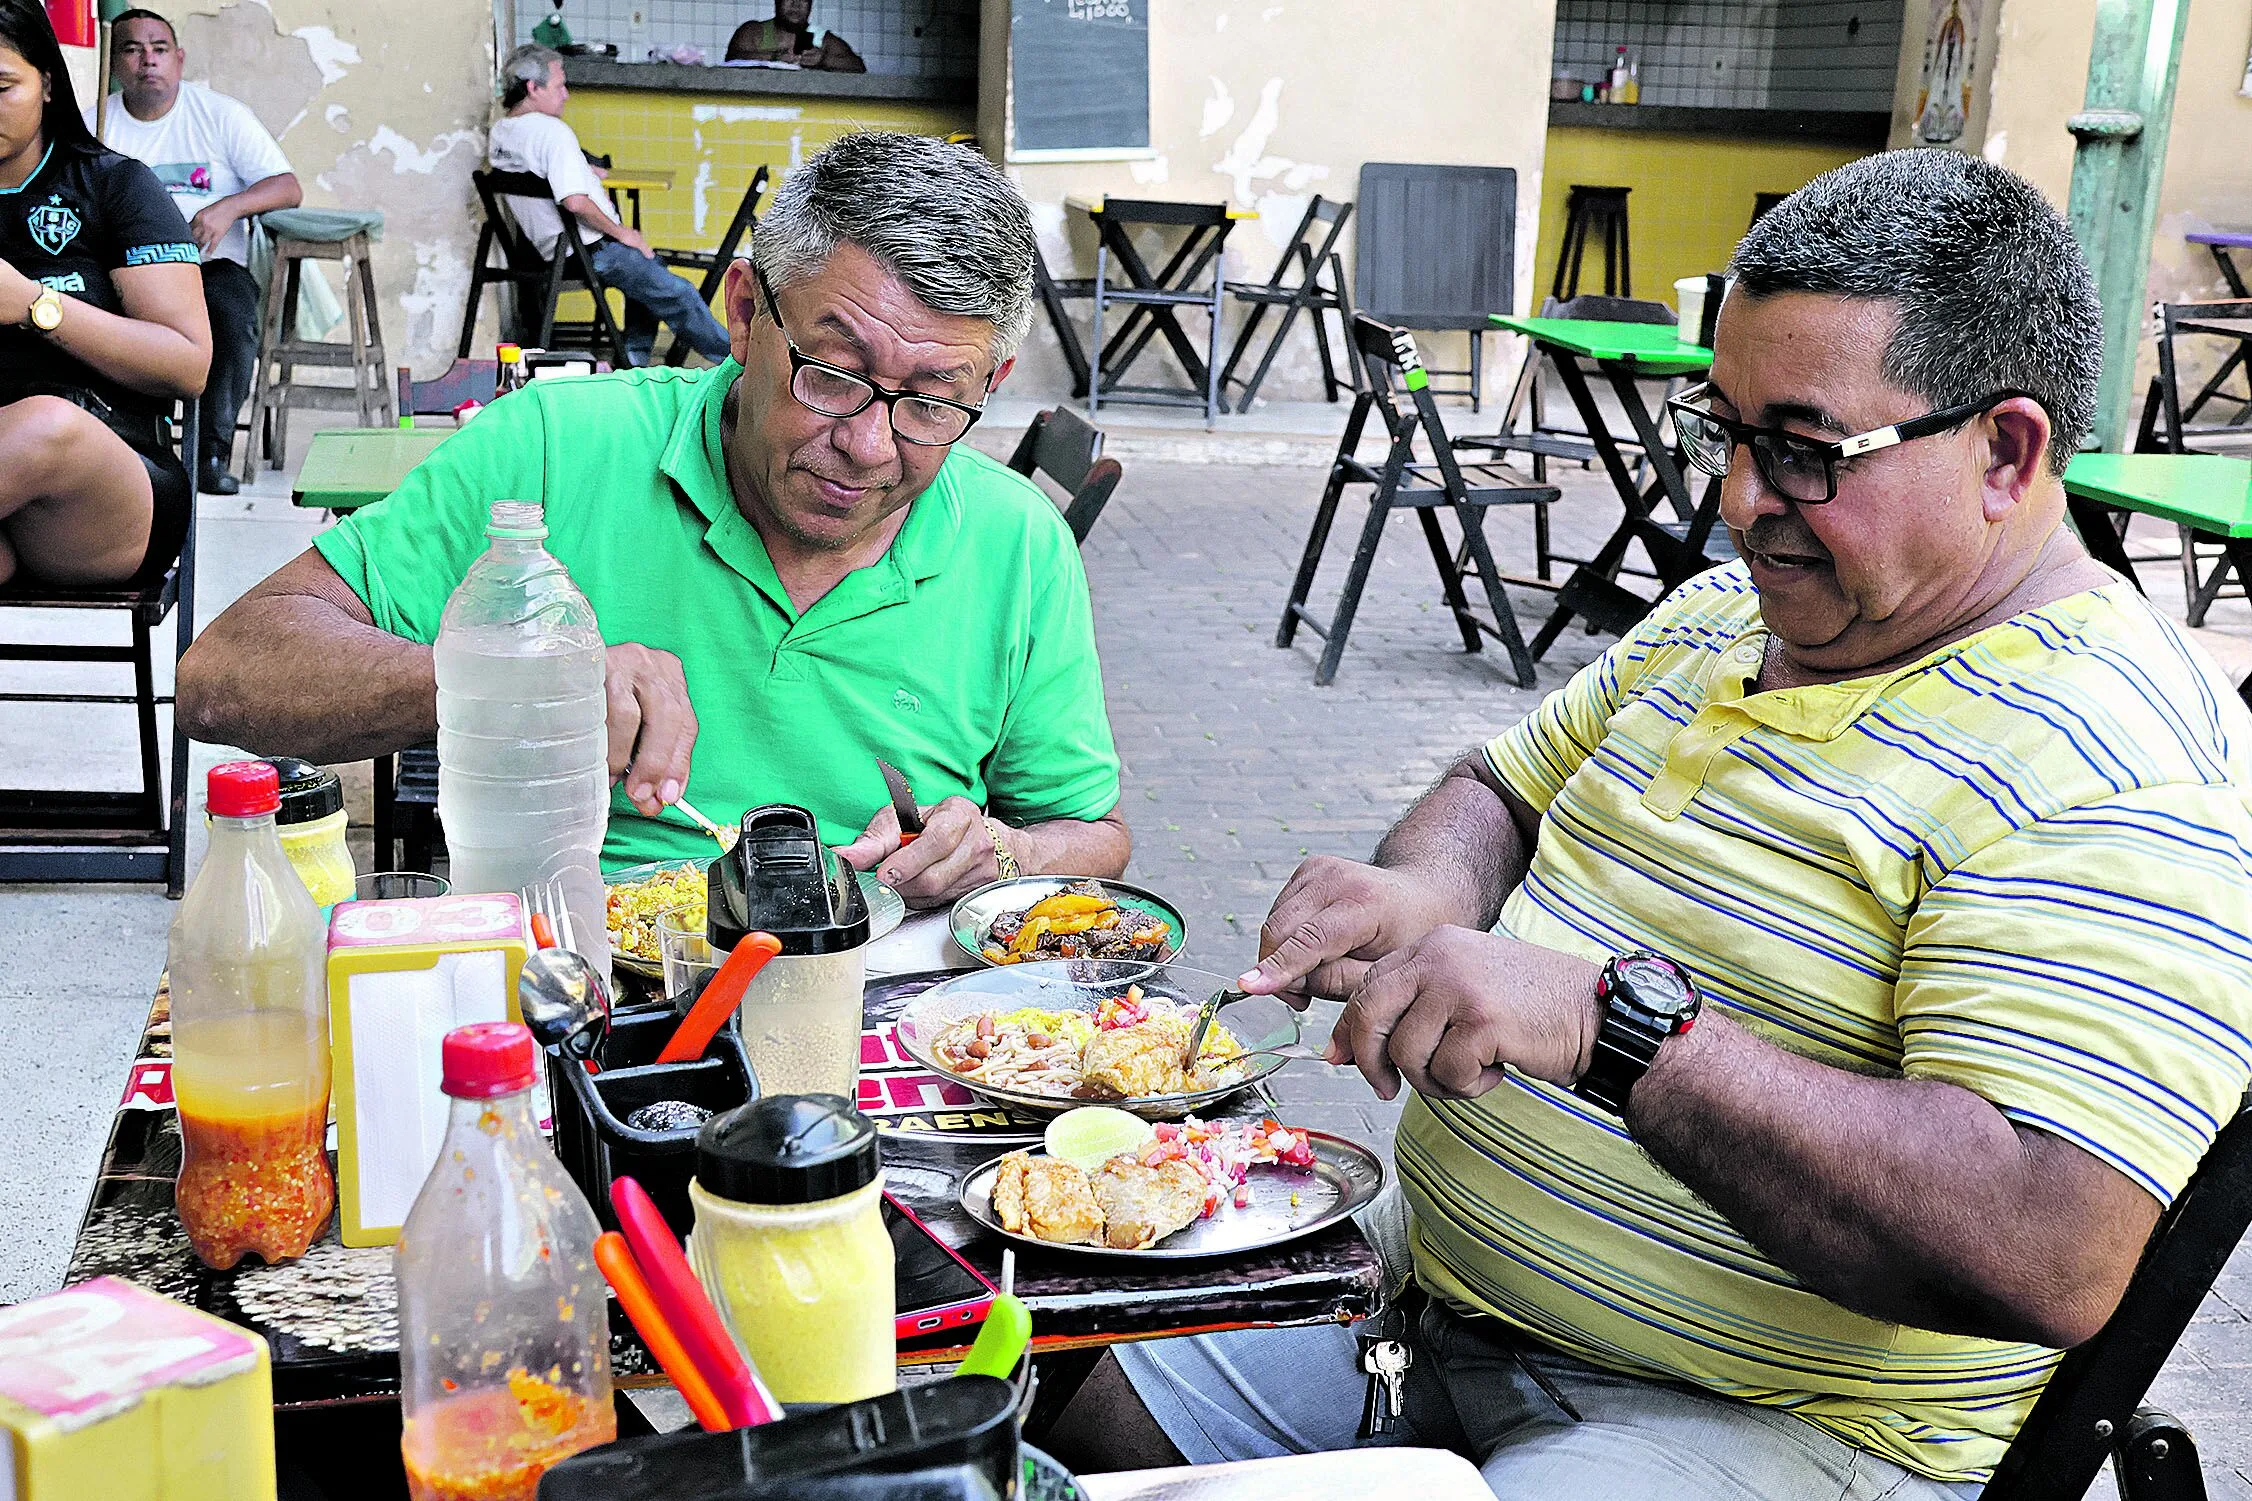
(544, 279)
(1054, 293)
(1307, 261)
(1403, 482)
(1437, 249)
(1063, 446)
(2170, 425)
(50, 835)
(2091, 1409)
(714, 263)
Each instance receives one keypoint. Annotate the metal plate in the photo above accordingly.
(1081, 985)
(1345, 1175)
(973, 915)
(886, 910)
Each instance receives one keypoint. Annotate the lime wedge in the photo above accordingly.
(1093, 1134)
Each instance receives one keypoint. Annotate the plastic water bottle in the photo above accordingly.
(504, 1334)
(523, 752)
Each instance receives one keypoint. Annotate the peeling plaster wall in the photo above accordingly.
(1266, 102)
(380, 106)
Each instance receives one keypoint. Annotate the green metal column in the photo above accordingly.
(2137, 49)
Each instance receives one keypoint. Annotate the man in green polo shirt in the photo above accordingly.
(798, 566)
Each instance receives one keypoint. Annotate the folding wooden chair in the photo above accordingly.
(543, 279)
(714, 263)
(1063, 446)
(1403, 482)
(1307, 295)
(60, 835)
(2091, 1409)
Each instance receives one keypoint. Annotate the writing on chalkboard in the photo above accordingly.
(1102, 10)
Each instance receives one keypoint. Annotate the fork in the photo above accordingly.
(545, 899)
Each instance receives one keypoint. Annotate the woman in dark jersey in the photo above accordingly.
(91, 491)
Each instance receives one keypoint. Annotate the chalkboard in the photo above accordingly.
(1079, 74)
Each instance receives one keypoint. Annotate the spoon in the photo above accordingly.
(725, 839)
(1283, 1050)
(564, 1002)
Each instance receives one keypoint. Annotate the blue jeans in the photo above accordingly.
(653, 292)
(1266, 1392)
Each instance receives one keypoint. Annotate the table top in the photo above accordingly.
(329, 1318)
(2234, 238)
(1428, 1474)
(657, 179)
(349, 467)
(2208, 491)
(1652, 345)
(1095, 205)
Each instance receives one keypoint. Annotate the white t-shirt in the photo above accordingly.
(545, 147)
(206, 147)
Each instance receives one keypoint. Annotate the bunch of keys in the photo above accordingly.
(1386, 1361)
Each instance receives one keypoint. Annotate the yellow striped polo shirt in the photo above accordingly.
(2022, 865)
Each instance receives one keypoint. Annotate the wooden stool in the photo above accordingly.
(274, 388)
(1604, 210)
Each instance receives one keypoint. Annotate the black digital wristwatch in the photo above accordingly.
(1646, 998)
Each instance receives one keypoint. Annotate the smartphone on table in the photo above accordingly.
(936, 1289)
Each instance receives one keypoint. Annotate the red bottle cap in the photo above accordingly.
(242, 789)
(485, 1060)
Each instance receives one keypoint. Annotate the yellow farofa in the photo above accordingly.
(634, 909)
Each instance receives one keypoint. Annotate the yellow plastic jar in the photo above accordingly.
(790, 1244)
(311, 824)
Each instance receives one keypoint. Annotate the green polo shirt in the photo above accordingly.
(965, 656)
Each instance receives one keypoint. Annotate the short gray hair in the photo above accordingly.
(524, 67)
(1993, 291)
(939, 216)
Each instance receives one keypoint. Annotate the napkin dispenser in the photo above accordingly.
(401, 975)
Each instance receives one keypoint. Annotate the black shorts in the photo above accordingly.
(171, 496)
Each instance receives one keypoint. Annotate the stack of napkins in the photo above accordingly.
(401, 975)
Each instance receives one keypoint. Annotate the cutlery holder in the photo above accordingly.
(592, 1138)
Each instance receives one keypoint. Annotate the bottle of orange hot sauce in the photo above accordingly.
(250, 1062)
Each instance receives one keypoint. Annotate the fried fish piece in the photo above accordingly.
(1047, 1200)
(1137, 1061)
(1143, 1205)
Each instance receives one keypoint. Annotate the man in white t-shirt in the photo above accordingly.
(221, 167)
(532, 138)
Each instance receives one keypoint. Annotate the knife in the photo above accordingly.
(902, 802)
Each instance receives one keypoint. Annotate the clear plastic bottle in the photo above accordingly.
(248, 956)
(523, 752)
(504, 1333)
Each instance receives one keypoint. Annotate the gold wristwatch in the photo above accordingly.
(1003, 861)
(46, 311)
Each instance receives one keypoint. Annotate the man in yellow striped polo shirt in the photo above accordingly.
(1936, 832)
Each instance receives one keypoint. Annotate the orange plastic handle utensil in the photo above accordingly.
(684, 1303)
(543, 931)
(720, 998)
(616, 1260)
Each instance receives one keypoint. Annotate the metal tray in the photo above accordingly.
(973, 915)
(1081, 985)
(886, 910)
(1345, 1175)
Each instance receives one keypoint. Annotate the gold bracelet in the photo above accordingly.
(1003, 861)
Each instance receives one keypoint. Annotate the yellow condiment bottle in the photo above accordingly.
(790, 1243)
(311, 825)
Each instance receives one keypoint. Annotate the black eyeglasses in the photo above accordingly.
(1795, 466)
(930, 421)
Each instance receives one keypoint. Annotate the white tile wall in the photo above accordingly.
(1742, 54)
(926, 38)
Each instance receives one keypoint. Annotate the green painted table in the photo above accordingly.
(1630, 356)
(349, 467)
(2210, 493)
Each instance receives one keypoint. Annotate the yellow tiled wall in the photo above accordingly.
(1691, 200)
(713, 143)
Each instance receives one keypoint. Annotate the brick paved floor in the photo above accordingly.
(1237, 766)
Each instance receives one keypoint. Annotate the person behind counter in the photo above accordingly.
(799, 565)
(788, 37)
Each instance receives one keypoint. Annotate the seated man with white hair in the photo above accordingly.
(798, 565)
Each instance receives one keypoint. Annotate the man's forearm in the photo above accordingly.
(1461, 840)
(264, 196)
(249, 682)
(1906, 1200)
(590, 214)
(1073, 846)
